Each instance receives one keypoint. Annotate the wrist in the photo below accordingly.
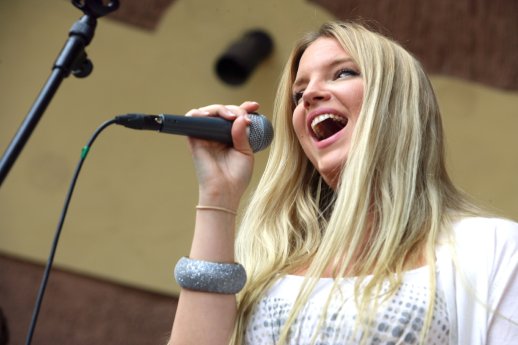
(218, 199)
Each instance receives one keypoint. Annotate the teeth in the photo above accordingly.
(319, 131)
(324, 117)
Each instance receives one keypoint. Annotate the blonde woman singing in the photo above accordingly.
(355, 233)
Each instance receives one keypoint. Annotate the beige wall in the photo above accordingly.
(131, 215)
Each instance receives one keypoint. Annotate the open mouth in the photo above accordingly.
(326, 125)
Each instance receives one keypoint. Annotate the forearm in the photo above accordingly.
(223, 175)
(208, 318)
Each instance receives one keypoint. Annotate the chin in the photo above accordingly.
(331, 172)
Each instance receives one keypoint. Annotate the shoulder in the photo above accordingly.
(481, 229)
(489, 242)
(479, 263)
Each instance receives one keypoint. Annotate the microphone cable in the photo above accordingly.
(57, 234)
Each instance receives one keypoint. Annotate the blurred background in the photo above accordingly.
(131, 217)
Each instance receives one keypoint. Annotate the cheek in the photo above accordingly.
(357, 99)
(299, 127)
(299, 124)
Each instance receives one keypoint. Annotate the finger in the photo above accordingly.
(214, 110)
(249, 106)
(197, 112)
(244, 108)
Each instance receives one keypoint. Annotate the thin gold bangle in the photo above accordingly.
(216, 208)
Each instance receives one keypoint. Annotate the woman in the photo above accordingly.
(355, 234)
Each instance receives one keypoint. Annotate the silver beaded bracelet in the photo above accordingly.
(207, 276)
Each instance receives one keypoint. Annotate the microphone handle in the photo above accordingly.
(209, 128)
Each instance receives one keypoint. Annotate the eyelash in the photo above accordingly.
(297, 96)
(349, 71)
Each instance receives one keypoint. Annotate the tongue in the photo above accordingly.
(327, 128)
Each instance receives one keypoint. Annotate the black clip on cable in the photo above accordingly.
(72, 59)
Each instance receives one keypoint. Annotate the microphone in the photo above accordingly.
(208, 128)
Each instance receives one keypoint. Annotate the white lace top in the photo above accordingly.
(399, 320)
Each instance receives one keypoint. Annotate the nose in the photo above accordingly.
(315, 92)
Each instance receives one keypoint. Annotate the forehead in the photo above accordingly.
(323, 48)
(322, 53)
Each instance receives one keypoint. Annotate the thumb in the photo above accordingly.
(240, 134)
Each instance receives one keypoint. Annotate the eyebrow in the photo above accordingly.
(300, 81)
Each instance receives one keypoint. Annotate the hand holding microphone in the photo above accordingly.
(221, 172)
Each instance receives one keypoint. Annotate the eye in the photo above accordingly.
(345, 73)
(297, 96)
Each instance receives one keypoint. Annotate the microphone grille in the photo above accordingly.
(261, 132)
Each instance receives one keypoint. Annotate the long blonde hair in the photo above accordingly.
(393, 198)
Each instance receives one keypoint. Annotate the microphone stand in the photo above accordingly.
(72, 59)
